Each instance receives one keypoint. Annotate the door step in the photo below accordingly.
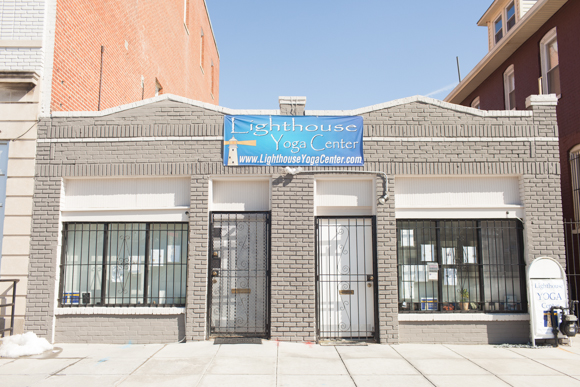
(237, 340)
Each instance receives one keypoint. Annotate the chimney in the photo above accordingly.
(292, 106)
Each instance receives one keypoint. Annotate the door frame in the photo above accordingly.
(268, 274)
(374, 266)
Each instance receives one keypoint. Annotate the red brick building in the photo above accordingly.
(534, 49)
(109, 53)
(521, 49)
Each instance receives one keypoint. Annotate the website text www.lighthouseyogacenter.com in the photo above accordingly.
(300, 159)
(307, 140)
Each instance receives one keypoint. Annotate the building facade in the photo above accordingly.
(62, 55)
(145, 230)
(537, 55)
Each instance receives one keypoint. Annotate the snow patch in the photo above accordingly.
(24, 345)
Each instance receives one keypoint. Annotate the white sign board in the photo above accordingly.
(546, 288)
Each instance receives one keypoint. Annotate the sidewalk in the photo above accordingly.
(294, 364)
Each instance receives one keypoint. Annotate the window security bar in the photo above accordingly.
(123, 264)
(461, 266)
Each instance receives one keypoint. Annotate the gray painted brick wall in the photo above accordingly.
(119, 329)
(410, 139)
(477, 332)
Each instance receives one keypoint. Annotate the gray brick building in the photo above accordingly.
(141, 233)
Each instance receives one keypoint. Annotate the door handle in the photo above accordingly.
(215, 273)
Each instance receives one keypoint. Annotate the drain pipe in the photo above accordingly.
(382, 199)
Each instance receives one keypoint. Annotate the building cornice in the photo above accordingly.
(354, 112)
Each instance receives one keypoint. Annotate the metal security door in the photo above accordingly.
(239, 274)
(345, 279)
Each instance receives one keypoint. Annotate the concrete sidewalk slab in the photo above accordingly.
(158, 381)
(391, 381)
(175, 366)
(425, 351)
(466, 380)
(447, 367)
(276, 364)
(514, 367)
(315, 381)
(370, 351)
(540, 381)
(483, 352)
(246, 365)
(205, 349)
(310, 366)
(35, 366)
(377, 366)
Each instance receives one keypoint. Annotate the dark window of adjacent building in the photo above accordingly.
(461, 265)
(510, 16)
(123, 264)
(498, 29)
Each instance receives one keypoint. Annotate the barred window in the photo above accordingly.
(123, 264)
(461, 265)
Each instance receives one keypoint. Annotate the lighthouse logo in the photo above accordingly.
(233, 149)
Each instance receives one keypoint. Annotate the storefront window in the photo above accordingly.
(124, 264)
(460, 265)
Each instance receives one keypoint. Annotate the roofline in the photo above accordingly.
(489, 9)
(522, 31)
(354, 112)
(211, 28)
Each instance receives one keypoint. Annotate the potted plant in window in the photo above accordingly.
(464, 299)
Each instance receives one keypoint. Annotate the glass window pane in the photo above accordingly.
(126, 263)
(83, 264)
(167, 264)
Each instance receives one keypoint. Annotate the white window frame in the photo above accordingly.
(201, 51)
(506, 87)
(544, 58)
(475, 103)
(185, 15)
(574, 157)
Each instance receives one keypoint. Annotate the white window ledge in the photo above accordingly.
(118, 311)
(453, 317)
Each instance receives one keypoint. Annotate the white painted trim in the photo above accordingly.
(13, 43)
(211, 28)
(459, 317)
(354, 112)
(546, 40)
(513, 212)
(149, 311)
(220, 138)
(48, 44)
(542, 100)
(509, 72)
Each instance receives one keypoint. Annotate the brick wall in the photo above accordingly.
(119, 330)
(141, 39)
(411, 138)
(477, 332)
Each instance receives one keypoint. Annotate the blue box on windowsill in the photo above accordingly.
(428, 303)
(71, 298)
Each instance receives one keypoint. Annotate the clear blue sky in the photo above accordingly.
(343, 54)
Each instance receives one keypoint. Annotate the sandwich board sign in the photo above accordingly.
(546, 288)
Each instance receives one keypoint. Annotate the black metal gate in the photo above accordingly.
(239, 275)
(345, 278)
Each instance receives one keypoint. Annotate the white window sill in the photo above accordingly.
(118, 311)
(452, 317)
